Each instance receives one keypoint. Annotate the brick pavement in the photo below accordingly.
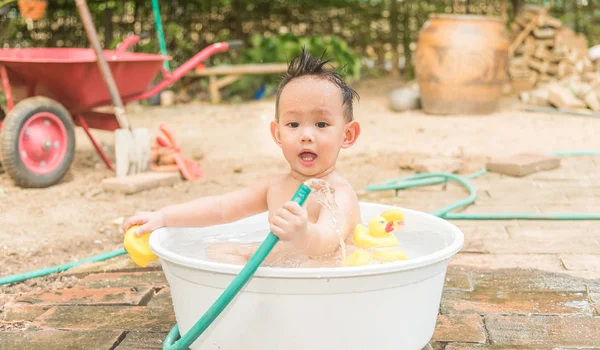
(515, 285)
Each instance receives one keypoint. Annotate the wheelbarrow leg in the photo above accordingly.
(6, 87)
(83, 124)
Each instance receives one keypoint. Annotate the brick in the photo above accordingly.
(506, 261)
(543, 330)
(595, 298)
(552, 232)
(458, 282)
(530, 303)
(533, 246)
(142, 341)
(527, 281)
(155, 279)
(522, 164)
(162, 299)
(434, 346)
(5, 298)
(586, 275)
(459, 328)
(121, 263)
(56, 339)
(497, 231)
(131, 318)
(85, 296)
(499, 207)
(467, 346)
(140, 182)
(581, 262)
(24, 312)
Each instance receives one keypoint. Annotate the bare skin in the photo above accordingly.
(311, 130)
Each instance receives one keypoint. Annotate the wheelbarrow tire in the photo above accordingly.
(15, 163)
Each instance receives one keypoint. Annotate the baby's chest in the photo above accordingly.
(277, 197)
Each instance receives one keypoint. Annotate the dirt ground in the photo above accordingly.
(76, 218)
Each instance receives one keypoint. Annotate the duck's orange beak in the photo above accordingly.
(390, 226)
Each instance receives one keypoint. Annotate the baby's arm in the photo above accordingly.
(206, 211)
(219, 209)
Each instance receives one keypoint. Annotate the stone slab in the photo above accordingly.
(543, 331)
(487, 302)
(128, 318)
(142, 341)
(459, 328)
(57, 339)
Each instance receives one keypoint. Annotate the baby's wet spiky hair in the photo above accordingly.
(308, 65)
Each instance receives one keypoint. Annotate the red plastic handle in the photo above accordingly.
(162, 142)
(169, 134)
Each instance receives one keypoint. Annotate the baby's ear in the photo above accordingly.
(275, 133)
(351, 132)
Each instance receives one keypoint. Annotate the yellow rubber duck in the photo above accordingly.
(378, 234)
(138, 247)
(358, 258)
(395, 215)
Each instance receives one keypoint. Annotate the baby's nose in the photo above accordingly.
(307, 135)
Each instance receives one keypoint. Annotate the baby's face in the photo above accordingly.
(311, 128)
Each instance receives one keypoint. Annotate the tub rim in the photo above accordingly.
(317, 272)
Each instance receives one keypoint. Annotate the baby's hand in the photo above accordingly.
(149, 221)
(290, 223)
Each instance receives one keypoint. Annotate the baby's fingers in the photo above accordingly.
(134, 220)
(294, 208)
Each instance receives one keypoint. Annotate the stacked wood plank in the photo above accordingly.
(549, 64)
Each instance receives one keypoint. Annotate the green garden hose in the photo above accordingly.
(60, 268)
(234, 287)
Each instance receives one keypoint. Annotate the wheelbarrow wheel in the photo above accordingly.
(37, 142)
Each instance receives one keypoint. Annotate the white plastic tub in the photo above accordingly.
(375, 307)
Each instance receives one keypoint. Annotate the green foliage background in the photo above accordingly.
(359, 35)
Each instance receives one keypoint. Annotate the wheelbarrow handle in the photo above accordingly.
(125, 44)
(235, 44)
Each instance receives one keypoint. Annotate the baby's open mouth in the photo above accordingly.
(308, 158)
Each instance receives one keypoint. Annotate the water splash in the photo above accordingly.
(325, 195)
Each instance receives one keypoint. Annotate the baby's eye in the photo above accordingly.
(322, 125)
(293, 124)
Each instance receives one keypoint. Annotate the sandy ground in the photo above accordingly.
(75, 219)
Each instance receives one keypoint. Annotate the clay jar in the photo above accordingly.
(461, 64)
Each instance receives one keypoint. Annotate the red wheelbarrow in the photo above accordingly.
(58, 88)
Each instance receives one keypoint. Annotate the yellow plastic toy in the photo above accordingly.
(358, 258)
(377, 235)
(390, 255)
(395, 215)
(138, 247)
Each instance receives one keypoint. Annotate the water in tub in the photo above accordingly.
(237, 246)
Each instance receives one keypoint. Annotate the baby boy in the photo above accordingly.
(313, 122)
